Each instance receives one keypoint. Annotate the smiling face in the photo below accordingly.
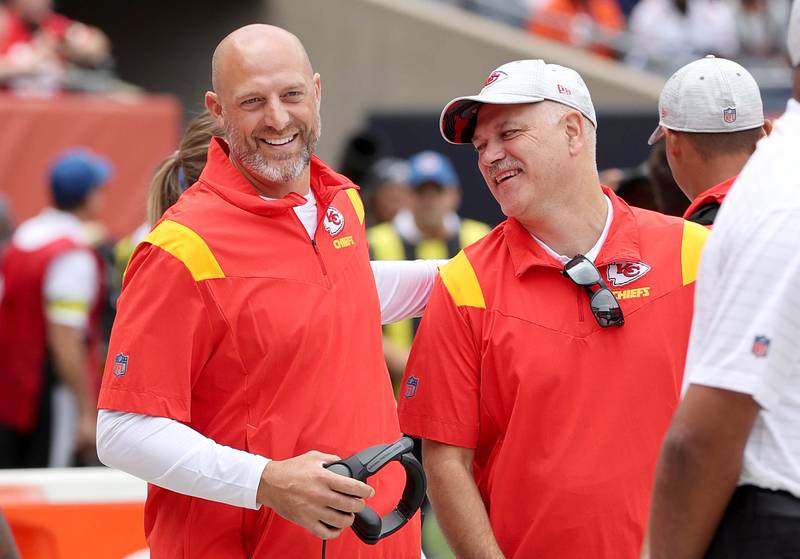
(519, 154)
(276, 154)
(267, 99)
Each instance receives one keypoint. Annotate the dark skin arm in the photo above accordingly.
(697, 472)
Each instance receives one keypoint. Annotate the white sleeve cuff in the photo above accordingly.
(762, 392)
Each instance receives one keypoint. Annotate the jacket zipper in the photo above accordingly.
(314, 246)
(319, 257)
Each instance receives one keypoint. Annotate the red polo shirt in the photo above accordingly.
(714, 195)
(233, 321)
(566, 418)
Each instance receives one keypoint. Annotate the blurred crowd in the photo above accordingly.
(43, 52)
(656, 35)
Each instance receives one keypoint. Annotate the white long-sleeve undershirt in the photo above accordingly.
(174, 456)
(404, 286)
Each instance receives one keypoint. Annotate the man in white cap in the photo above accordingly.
(711, 118)
(728, 480)
(547, 366)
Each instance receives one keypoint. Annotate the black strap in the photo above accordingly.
(705, 214)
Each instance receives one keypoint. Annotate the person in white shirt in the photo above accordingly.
(666, 34)
(728, 479)
(49, 333)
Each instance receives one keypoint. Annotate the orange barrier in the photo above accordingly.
(78, 513)
(134, 131)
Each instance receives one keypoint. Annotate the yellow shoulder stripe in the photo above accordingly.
(188, 247)
(694, 239)
(461, 282)
(358, 205)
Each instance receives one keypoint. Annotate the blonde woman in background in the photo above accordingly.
(172, 177)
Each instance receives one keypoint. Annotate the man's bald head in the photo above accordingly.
(266, 99)
(253, 43)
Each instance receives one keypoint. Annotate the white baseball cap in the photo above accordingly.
(709, 95)
(793, 39)
(516, 83)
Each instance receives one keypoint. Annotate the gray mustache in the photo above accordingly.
(502, 166)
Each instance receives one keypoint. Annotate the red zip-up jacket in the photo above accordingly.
(232, 321)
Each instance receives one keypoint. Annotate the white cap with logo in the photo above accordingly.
(793, 40)
(516, 83)
(709, 95)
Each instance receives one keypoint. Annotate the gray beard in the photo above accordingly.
(276, 171)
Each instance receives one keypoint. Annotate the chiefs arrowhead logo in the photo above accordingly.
(333, 222)
(623, 273)
(493, 77)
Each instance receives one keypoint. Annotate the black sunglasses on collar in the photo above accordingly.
(604, 305)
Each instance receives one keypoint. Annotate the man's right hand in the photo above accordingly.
(302, 491)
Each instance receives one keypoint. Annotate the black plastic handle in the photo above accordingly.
(367, 525)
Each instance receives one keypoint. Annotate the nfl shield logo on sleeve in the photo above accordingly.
(120, 365)
(411, 387)
(760, 346)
